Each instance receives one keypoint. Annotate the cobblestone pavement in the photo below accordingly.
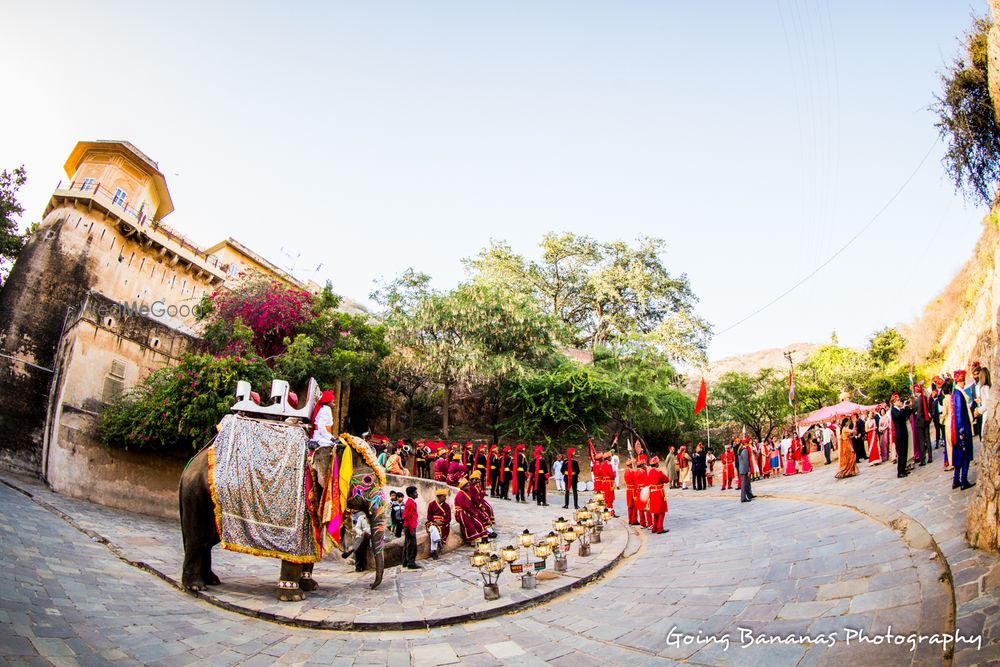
(773, 567)
(438, 593)
(927, 497)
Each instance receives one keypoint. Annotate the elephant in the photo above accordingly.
(200, 532)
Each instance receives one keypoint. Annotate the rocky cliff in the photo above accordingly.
(983, 527)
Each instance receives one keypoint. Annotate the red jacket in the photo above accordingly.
(410, 515)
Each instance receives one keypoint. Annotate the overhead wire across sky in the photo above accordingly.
(840, 250)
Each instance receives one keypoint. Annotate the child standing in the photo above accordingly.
(410, 529)
(396, 507)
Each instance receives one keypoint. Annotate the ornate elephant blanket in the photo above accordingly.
(258, 475)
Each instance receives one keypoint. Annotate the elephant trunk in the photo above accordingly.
(376, 519)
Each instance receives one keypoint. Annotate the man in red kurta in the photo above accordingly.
(655, 478)
(410, 529)
(630, 492)
(641, 506)
(728, 467)
(467, 515)
(439, 516)
(441, 466)
(609, 483)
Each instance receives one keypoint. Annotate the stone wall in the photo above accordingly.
(81, 467)
(983, 523)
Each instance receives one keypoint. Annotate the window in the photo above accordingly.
(88, 184)
(114, 381)
(120, 197)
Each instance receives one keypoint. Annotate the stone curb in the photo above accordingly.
(936, 604)
(355, 626)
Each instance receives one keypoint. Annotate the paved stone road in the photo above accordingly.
(925, 496)
(432, 596)
(773, 567)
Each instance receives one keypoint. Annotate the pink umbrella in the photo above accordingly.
(833, 411)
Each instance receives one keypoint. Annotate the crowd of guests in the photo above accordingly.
(900, 433)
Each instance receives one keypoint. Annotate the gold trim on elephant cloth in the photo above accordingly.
(257, 479)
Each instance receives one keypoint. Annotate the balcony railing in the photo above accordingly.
(104, 195)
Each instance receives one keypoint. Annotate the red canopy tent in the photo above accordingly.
(833, 411)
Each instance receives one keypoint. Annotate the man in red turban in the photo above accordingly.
(493, 477)
(655, 479)
(520, 473)
(628, 475)
(539, 477)
(639, 477)
(506, 472)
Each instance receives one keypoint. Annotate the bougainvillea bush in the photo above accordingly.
(270, 310)
(175, 410)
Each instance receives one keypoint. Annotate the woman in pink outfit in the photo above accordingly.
(806, 463)
(790, 458)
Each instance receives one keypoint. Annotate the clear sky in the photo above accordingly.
(755, 137)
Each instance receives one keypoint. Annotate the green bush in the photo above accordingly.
(175, 410)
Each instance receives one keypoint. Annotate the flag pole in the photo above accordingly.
(708, 433)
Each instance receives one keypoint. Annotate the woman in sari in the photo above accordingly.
(848, 458)
(883, 435)
(793, 455)
(806, 463)
(765, 457)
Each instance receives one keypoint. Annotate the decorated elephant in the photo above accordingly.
(339, 479)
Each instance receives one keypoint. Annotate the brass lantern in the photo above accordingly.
(552, 539)
(527, 538)
(570, 535)
(543, 550)
(560, 525)
(494, 564)
(477, 560)
(509, 553)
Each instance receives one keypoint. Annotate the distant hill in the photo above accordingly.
(751, 362)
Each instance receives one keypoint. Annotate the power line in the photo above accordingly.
(842, 248)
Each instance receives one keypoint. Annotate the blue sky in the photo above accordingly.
(370, 137)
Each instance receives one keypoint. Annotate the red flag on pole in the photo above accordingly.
(702, 398)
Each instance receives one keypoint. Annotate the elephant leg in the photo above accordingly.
(198, 528)
(192, 577)
(288, 585)
(207, 575)
(306, 582)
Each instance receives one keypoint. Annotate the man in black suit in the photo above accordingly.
(900, 416)
(921, 426)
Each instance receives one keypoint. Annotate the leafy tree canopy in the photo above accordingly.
(11, 240)
(967, 121)
(602, 293)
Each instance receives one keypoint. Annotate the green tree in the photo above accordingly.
(602, 293)
(560, 404)
(967, 121)
(758, 402)
(11, 240)
(884, 346)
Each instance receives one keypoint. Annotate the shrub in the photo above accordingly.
(175, 410)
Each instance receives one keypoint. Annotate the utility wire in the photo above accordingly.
(842, 248)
